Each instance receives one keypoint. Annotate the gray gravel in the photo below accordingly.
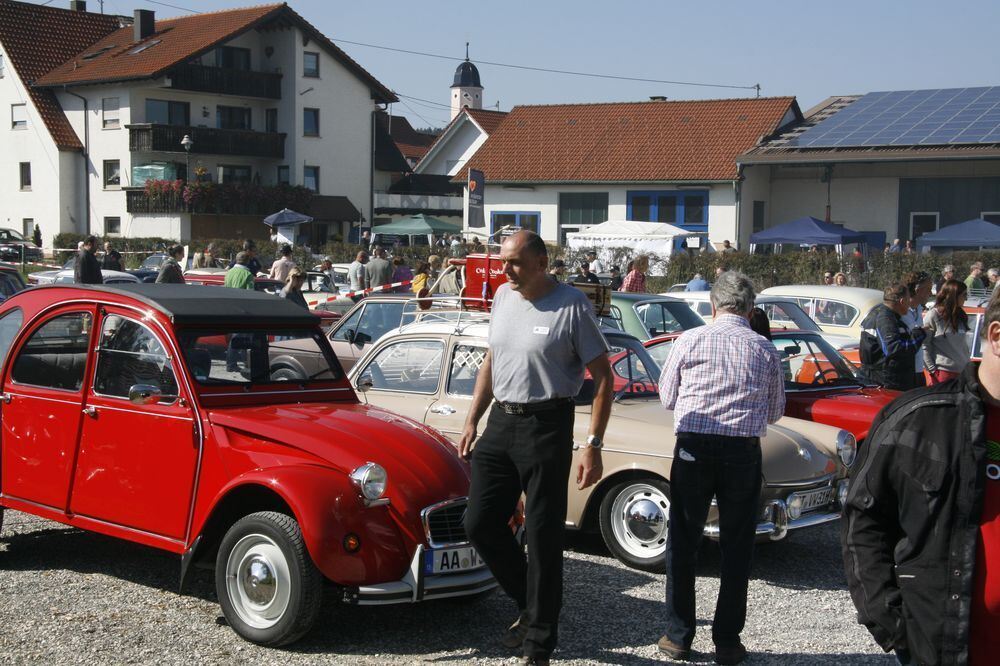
(74, 597)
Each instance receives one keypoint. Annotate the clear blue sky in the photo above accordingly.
(809, 50)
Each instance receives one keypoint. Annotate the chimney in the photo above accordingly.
(144, 25)
(77, 5)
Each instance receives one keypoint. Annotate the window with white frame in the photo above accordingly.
(310, 122)
(109, 113)
(112, 174)
(310, 64)
(234, 173)
(923, 222)
(25, 175)
(310, 178)
(28, 227)
(18, 116)
(284, 177)
(112, 226)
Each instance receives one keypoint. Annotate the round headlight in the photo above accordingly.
(847, 448)
(370, 479)
(794, 506)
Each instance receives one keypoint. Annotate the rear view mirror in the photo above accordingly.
(792, 350)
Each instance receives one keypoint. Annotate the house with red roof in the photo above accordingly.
(187, 127)
(562, 168)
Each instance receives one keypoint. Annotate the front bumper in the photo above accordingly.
(417, 586)
(777, 523)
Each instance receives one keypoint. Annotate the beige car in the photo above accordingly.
(427, 371)
(837, 310)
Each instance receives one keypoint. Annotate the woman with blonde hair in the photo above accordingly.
(635, 281)
(840, 280)
(946, 349)
(293, 287)
(421, 276)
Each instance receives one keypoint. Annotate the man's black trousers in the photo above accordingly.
(530, 453)
(729, 469)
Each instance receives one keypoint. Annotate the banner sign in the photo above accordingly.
(477, 188)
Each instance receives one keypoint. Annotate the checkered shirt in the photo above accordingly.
(723, 379)
(634, 282)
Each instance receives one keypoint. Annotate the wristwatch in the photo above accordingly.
(595, 442)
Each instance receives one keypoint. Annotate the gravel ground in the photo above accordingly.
(74, 597)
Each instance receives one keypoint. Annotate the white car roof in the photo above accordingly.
(853, 294)
(105, 273)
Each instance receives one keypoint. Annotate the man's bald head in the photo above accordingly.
(529, 241)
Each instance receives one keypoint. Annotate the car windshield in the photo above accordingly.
(153, 261)
(261, 356)
(788, 315)
(636, 374)
(810, 362)
(13, 235)
(659, 317)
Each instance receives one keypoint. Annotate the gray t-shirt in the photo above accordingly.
(379, 272)
(357, 275)
(539, 348)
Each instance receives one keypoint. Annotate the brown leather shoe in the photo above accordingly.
(734, 654)
(673, 650)
(513, 638)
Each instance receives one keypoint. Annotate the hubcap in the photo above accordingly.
(639, 517)
(258, 581)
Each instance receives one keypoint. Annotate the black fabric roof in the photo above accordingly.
(203, 304)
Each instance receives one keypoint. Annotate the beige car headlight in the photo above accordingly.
(847, 448)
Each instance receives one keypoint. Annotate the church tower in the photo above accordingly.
(466, 91)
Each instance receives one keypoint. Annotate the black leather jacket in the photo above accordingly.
(911, 521)
(889, 349)
(87, 269)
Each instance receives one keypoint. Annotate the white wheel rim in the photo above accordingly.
(258, 581)
(639, 517)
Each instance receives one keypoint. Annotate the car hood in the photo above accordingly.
(422, 467)
(794, 451)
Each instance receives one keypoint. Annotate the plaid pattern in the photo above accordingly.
(634, 282)
(723, 379)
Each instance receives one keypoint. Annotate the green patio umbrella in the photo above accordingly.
(418, 225)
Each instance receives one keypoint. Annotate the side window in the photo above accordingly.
(55, 356)
(413, 366)
(8, 287)
(777, 315)
(130, 354)
(380, 318)
(614, 321)
(10, 324)
(656, 318)
(465, 364)
(661, 352)
(350, 324)
(834, 313)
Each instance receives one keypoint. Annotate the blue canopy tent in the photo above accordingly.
(811, 231)
(972, 233)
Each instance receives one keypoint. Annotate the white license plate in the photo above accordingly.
(816, 498)
(452, 560)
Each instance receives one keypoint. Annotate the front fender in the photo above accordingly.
(328, 508)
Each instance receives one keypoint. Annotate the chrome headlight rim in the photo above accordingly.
(847, 448)
(793, 506)
(371, 480)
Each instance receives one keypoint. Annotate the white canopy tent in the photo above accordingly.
(656, 238)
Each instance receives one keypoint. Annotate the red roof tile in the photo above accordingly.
(486, 119)
(177, 40)
(36, 39)
(628, 142)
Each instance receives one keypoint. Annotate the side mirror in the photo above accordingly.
(349, 335)
(144, 394)
(364, 383)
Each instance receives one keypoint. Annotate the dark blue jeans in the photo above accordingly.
(533, 454)
(728, 469)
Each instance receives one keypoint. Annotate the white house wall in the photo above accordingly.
(49, 202)
(454, 151)
(756, 186)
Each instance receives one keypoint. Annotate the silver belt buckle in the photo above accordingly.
(514, 410)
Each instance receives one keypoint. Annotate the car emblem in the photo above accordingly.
(804, 452)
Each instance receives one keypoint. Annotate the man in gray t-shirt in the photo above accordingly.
(356, 272)
(542, 336)
(379, 269)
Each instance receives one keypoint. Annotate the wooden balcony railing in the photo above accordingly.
(223, 81)
(149, 138)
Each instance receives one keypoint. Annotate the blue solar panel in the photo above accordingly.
(911, 117)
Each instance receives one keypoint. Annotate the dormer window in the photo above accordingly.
(94, 54)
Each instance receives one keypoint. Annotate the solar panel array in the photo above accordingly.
(911, 118)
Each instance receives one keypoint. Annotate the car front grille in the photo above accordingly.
(444, 523)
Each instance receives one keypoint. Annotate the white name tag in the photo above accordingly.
(541, 330)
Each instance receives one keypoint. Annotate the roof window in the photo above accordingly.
(98, 52)
(143, 47)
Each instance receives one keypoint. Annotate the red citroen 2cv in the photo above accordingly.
(218, 425)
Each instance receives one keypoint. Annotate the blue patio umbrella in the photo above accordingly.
(285, 217)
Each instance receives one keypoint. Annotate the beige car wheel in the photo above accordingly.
(633, 521)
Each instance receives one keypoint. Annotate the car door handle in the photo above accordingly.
(6, 397)
(446, 410)
(90, 411)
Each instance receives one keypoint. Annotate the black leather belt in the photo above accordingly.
(525, 408)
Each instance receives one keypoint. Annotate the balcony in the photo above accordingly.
(149, 138)
(175, 197)
(224, 81)
(430, 204)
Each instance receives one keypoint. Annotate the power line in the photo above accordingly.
(164, 4)
(414, 111)
(425, 101)
(553, 71)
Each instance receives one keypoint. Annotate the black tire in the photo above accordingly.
(637, 544)
(280, 596)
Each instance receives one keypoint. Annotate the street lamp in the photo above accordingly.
(187, 143)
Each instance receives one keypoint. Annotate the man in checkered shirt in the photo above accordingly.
(725, 384)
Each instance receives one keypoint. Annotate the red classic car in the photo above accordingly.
(820, 385)
(218, 425)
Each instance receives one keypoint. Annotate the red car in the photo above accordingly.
(820, 385)
(218, 425)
